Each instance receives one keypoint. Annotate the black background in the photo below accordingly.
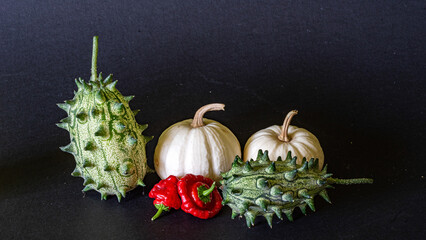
(354, 70)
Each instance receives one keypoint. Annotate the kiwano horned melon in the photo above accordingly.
(106, 141)
(265, 187)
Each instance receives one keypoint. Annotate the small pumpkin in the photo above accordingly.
(198, 146)
(279, 140)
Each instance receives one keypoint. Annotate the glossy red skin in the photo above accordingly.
(166, 192)
(191, 203)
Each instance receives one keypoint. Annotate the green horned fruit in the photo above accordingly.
(268, 188)
(106, 141)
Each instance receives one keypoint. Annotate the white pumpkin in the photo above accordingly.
(200, 146)
(278, 140)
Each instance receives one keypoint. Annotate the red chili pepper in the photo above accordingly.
(166, 195)
(200, 196)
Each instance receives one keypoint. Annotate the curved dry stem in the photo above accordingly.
(284, 129)
(198, 117)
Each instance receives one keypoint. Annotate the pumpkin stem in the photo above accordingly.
(94, 58)
(284, 129)
(198, 117)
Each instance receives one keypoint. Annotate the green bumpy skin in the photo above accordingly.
(106, 141)
(268, 188)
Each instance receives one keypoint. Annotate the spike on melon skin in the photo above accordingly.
(260, 188)
(106, 140)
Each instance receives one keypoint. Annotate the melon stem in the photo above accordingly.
(94, 58)
(198, 117)
(284, 129)
(350, 181)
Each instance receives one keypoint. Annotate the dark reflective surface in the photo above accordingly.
(355, 72)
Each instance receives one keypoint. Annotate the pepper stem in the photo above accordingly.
(198, 117)
(284, 129)
(210, 190)
(350, 181)
(160, 208)
(94, 58)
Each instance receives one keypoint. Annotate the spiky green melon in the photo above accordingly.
(269, 188)
(106, 141)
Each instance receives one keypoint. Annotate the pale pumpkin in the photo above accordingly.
(278, 140)
(199, 146)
